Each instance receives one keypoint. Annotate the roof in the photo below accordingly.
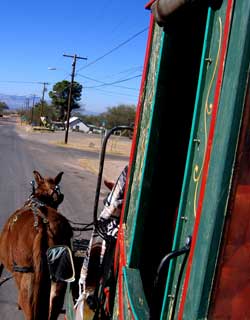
(72, 119)
(75, 119)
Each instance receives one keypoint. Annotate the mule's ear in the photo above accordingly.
(38, 177)
(58, 178)
(109, 184)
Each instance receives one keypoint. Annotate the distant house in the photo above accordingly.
(94, 129)
(75, 124)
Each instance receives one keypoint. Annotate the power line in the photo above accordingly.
(105, 83)
(114, 49)
(32, 82)
(129, 70)
(115, 82)
(102, 84)
(113, 92)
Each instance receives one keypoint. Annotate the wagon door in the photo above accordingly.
(189, 124)
(163, 131)
(212, 152)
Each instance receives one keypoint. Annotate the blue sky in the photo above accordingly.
(35, 34)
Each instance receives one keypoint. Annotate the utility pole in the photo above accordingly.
(32, 109)
(42, 100)
(27, 103)
(75, 57)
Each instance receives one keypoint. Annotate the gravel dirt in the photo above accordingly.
(117, 146)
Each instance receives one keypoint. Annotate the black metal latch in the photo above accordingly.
(154, 314)
(171, 255)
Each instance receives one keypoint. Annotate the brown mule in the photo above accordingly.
(24, 240)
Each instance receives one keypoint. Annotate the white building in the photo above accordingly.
(75, 124)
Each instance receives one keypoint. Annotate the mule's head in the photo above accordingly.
(47, 189)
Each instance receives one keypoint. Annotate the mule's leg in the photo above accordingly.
(57, 294)
(25, 286)
(18, 278)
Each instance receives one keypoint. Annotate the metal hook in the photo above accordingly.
(32, 182)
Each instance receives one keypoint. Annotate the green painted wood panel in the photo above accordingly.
(197, 147)
(220, 170)
(169, 99)
(133, 229)
(222, 163)
(141, 184)
(116, 308)
(134, 291)
(134, 303)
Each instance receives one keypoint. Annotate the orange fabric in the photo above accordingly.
(233, 286)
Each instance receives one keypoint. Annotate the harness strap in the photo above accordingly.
(3, 280)
(35, 205)
(17, 268)
(37, 213)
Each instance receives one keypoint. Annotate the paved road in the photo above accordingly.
(18, 159)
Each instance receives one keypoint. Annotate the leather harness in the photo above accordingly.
(35, 205)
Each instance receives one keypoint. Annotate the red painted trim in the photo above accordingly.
(142, 87)
(208, 153)
(137, 119)
(122, 261)
(149, 4)
(120, 248)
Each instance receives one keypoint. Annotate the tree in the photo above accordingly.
(3, 106)
(32, 115)
(60, 97)
(120, 115)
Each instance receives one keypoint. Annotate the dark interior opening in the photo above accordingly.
(174, 108)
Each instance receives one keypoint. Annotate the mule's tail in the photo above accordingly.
(41, 283)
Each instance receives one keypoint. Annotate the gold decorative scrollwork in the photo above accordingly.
(208, 108)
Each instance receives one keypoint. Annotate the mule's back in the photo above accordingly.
(19, 233)
(24, 240)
